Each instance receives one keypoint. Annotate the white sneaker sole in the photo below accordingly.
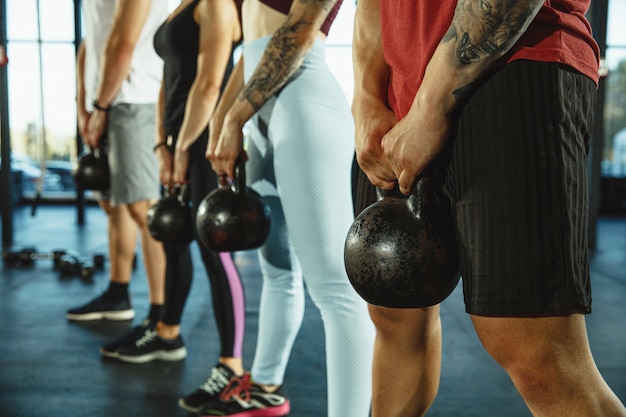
(103, 315)
(162, 355)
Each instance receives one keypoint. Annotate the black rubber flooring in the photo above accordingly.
(51, 367)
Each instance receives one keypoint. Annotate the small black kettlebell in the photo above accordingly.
(170, 218)
(401, 252)
(92, 171)
(233, 217)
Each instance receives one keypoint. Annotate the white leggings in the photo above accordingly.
(300, 150)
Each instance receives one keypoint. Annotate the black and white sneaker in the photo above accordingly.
(151, 347)
(209, 391)
(110, 349)
(243, 398)
(102, 308)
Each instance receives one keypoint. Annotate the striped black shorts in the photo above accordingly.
(517, 180)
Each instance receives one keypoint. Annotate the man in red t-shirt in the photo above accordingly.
(499, 95)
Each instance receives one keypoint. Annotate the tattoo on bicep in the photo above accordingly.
(282, 57)
(488, 28)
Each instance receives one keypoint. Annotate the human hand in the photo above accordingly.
(224, 151)
(95, 128)
(414, 142)
(83, 122)
(166, 166)
(215, 128)
(181, 165)
(371, 125)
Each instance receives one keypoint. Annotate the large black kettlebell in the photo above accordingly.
(233, 217)
(92, 171)
(401, 252)
(170, 218)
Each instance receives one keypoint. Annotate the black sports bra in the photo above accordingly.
(283, 6)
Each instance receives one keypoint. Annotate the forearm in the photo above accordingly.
(159, 137)
(469, 50)
(128, 20)
(80, 79)
(371, 73)
(114, 70)
(233, 88)
(283, 55)
(198, 111)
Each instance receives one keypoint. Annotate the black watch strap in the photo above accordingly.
(99, 107)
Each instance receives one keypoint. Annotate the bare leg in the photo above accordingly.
(407, 361)
(152, 250)
(550, 363)
(122, 242)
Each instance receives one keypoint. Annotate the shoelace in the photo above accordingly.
(215, 383)
(238, 386)
(147, 337)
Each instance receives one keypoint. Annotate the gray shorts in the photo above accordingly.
(133, 164)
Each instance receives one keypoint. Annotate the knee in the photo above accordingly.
(405, 323)
(105, 205)
(533, 358)
(139, 212)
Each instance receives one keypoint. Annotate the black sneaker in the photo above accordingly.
(110, 349)
(102, 308)
(209, 391)
(151, 347)
(242, 398)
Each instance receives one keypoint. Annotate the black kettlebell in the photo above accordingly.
(401, 252)
(92, 171)
(233, 217)
(170, 218)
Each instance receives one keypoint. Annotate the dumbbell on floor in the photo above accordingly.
(27, 255)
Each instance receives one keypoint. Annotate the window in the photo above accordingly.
(41, 74)
(614, 155)
(339, 47)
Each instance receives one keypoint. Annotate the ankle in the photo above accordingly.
(235, 364)
(167, 331)
(268, 388)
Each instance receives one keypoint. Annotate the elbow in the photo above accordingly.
(208, 89)
(119, 50)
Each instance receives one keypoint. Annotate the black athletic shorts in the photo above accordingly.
(517, 180)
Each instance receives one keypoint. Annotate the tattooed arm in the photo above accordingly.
(482, 31)
(283, 55)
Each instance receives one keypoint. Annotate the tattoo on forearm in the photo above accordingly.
(483, 29)
(283, 56)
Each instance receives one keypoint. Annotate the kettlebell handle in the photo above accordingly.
(422, 185)
(179, 192)
(97, 152)
(422, 193)
(238, 184)
(240, 175)
(393, 192)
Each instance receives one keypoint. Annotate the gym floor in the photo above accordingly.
(50, 366)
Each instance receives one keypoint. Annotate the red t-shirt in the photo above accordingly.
(559, 33)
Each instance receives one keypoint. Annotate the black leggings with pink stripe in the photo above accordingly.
(226, 287)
